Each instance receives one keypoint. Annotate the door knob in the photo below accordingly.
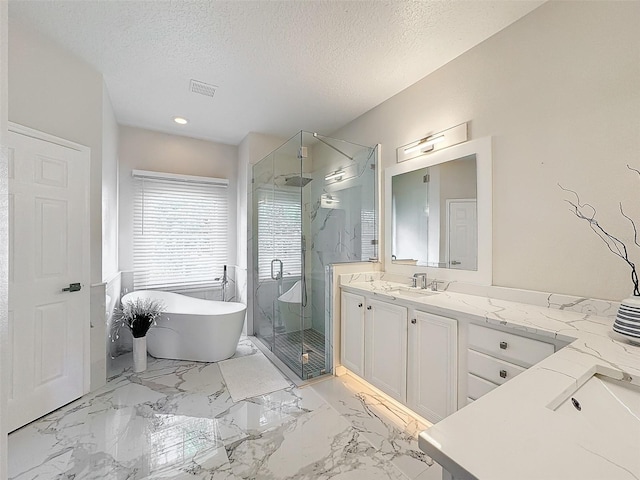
(359, 305)
(368, 307)
(455, 262)
(73, 287)
(414, 321)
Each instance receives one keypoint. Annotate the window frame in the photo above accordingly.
(289, 213)
(196, 210)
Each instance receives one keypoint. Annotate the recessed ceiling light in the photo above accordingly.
(180, 120)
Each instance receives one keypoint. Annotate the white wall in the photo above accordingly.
(55, 92)
(142, 149)
(4, 328)
(558, 91)
(109, 189)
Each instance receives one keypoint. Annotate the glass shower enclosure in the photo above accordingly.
(314, 203)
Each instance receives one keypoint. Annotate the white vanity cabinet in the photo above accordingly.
(432, 386)
(374, 342)
(495, 356)
(410, 355)
(352, 332)
(385, 347)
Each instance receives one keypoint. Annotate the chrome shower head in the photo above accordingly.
(297, 181)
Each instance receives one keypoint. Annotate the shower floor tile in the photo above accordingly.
(177, 420)
(288, 349)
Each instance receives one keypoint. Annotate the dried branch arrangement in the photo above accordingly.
(587, 212)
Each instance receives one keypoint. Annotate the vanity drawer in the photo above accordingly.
(477, 387)
(513, 348)
(490, 368)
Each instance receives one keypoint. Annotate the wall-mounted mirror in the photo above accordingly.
(438, 214)
(433, 212)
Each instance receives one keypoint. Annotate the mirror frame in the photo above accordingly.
(482, 148)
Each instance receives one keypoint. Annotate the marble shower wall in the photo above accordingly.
(337, 210)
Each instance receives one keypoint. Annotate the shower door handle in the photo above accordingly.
(277, 275)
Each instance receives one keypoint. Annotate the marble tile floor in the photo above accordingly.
(177, 421)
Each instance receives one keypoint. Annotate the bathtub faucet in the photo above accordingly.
(224, 282)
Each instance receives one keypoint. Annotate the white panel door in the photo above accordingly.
(462, 234)
(48, 250)
(432, 388)
(386, 348)
(352, 332)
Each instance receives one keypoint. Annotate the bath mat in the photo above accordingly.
(251, 376)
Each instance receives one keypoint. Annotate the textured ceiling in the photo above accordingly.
(280, 66)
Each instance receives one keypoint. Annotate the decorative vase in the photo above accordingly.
(139, 354)
(627, 320)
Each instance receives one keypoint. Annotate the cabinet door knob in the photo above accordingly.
(368, 307)
(359, 305)
(503, 373)
(503, 345)
(414, 321)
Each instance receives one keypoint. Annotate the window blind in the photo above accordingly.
(279, 231)
(368, 235)
(180, 232)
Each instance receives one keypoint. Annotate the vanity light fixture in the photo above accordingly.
(434, 141)
(180, 120)
(337, 174)
(425, 142)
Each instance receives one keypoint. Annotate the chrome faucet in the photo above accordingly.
(423, 283)
(224, 282)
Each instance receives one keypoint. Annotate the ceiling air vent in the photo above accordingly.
(202, 88)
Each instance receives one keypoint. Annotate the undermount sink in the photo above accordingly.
(601, 398)
(401, 292)
(609, 409)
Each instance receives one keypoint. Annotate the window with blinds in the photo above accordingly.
(368, 232)
(279, 231)
(179, 231)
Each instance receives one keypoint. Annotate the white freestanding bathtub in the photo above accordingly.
(290, 306)
(193, 329)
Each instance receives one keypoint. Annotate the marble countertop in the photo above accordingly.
(513, 432)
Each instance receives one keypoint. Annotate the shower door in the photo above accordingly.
(314, 205)
(279, 290)
(264, 290)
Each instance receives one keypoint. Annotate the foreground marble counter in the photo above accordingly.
(513, 432)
